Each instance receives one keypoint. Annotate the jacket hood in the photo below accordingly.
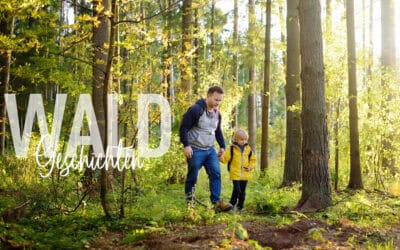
(202, 103)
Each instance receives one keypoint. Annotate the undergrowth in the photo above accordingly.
(161, 205)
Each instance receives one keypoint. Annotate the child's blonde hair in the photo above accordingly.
(240, 134)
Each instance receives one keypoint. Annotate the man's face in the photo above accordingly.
(213, 100)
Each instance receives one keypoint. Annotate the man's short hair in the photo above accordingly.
(213, 89)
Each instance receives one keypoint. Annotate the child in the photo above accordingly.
(241, 163)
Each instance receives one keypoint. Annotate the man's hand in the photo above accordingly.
(221, 152)
(188, 152)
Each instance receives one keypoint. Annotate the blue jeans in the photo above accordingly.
(209, 159)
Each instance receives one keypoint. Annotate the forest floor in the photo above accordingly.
(157, 218)
(302, 234)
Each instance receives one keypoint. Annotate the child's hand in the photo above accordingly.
(247, 169)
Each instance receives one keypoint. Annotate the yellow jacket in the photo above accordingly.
(240, 161)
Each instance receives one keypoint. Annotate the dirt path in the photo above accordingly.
(299, 235)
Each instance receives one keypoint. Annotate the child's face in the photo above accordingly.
(241, 141)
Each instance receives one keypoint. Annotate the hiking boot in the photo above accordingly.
(221, 206)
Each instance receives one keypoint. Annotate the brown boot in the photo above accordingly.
(222, 207)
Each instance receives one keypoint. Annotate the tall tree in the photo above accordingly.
(282, 29)
(196, 43)
(235, 66)
(252, 77)
(368, 72)
(7, 23)
(388, 60)
(212, 35)
(328, 15)
(167, 77)
(185, 62)
(316, 190)
(388, 34)
(355, 181)
(336, 143)
(292, 167)
(101, 37)
(265, 99)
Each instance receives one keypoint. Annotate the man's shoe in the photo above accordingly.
(221, 206)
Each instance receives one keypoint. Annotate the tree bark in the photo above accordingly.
(316, 190)
(235, 74)
(368, 70)
(292, 167)
(281, 25)
(186, 70)
(252, 78)
(265, 99)
(170, 78)
(370, 54)
(167, 55)
(197, 51)
(212, 35)
(336, 142)
(388, 60)
(101, 35)
(355, 181)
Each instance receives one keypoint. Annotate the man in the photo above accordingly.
(200, 126)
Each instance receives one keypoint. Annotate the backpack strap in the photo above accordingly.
(230, 160)
(200, 114)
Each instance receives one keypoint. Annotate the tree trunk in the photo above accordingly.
(370, 54)
(186, 70)
(252, 78)
(355, 181)
(197, 51)
(265, 99)
(170, 78)
(6, 29)
(101, 35)
(235, 74)
(212, 35)
(292, 167)
(328, 16)
(167, 55)
(368, 70)
(316, 190)
(281, 25)
(336, 141)
(388, 57)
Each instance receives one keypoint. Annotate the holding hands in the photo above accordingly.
(221, 152)
(188, 152)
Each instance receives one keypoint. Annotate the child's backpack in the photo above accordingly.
(230, 160)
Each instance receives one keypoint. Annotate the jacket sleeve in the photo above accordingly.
(226, 157)
(253, 161)
(218, 133)
(190, 119)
